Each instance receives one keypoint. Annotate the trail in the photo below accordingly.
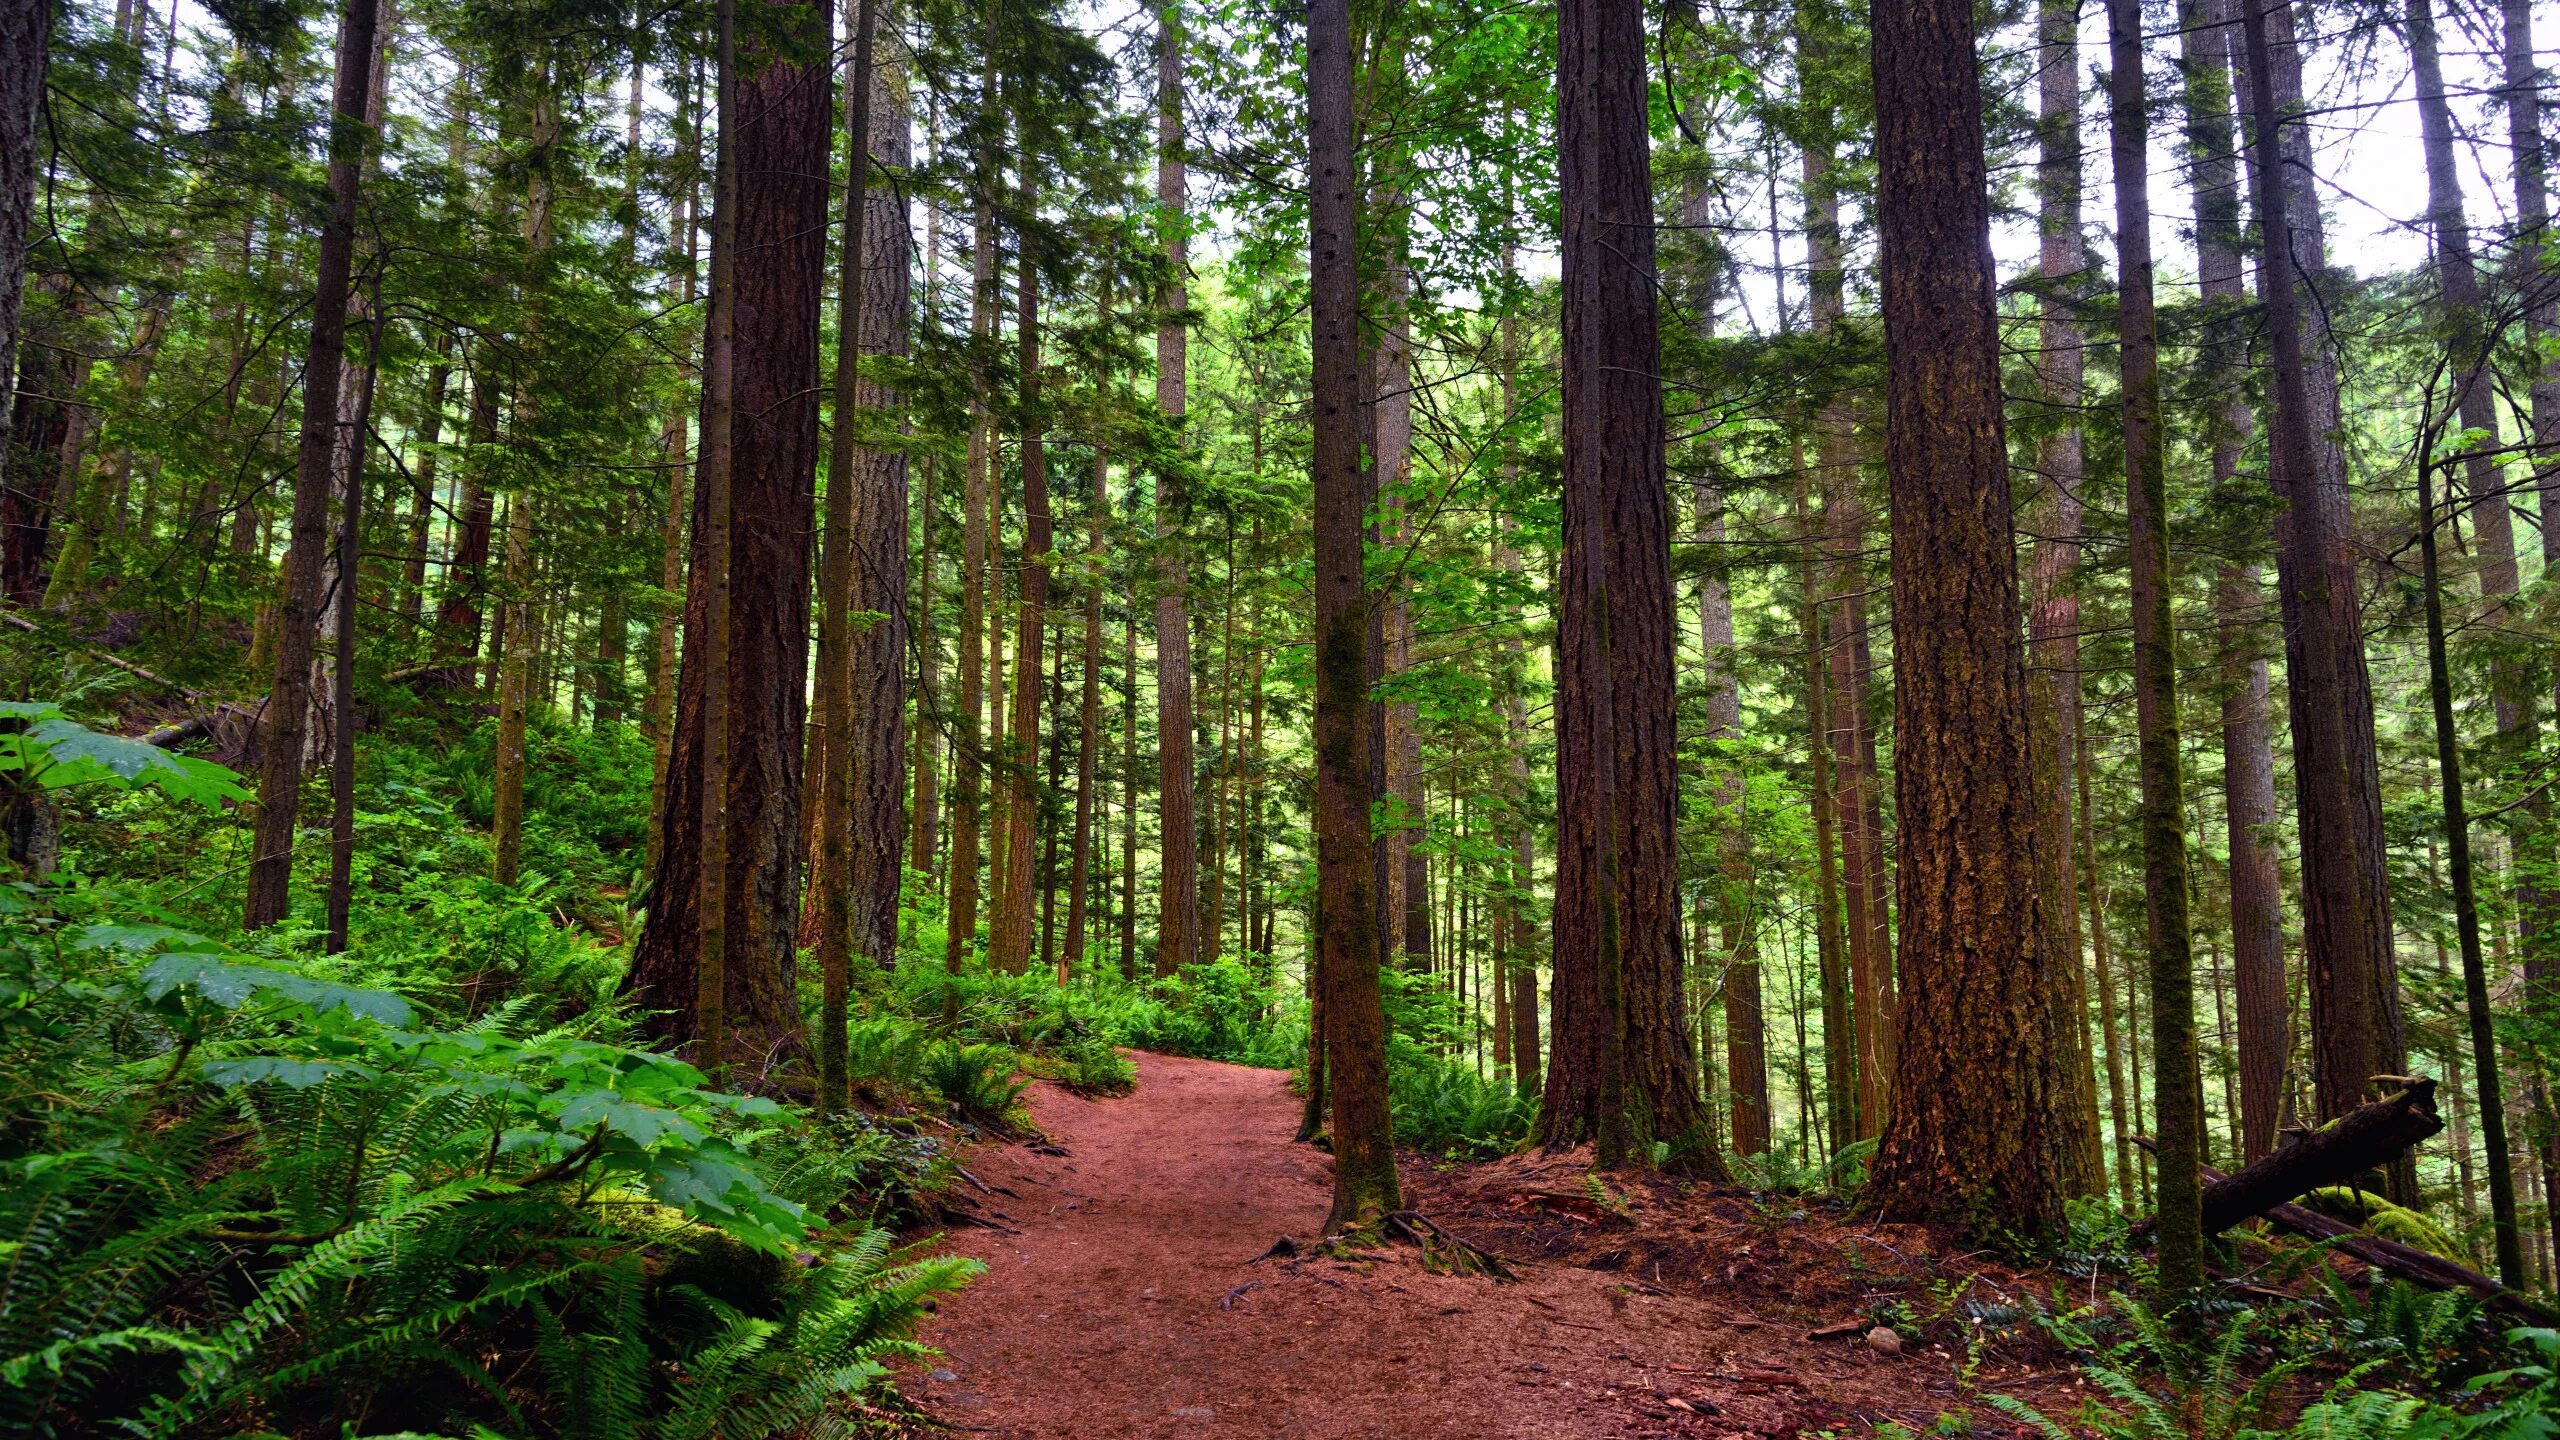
(1125, 1306)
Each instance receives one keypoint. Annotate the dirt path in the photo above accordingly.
(1125, 1306)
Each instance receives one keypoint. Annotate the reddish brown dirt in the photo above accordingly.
(1120, 1298)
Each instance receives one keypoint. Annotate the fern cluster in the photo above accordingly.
(237, 1196)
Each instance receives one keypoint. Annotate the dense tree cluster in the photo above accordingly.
(1563, 509)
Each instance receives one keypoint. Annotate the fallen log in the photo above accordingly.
(2364, 1139)
(2391, 1257)
(2407, 1262)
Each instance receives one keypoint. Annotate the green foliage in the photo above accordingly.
(976, 1082)
(2231, 1384)
(2418, 1338)
(244, 1189)
(1444, 1107)
(2159, 1385)
(45, 750)
(1090, 1065)
(1438, 1103)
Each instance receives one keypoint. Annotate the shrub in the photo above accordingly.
(976, 1081)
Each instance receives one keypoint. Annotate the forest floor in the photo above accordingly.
(1123, 1297)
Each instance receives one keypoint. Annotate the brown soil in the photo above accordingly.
(1122, 1296)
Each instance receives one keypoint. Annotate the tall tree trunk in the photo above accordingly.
(1625, 1071)
(924, 822)
(1352, 1017)
(2206, 37)
(675, 445)
(715, 537)
(342, 754)
(878, 718)
(515, 664)
(1089, 721)
(2457, 834)
(739, 742)
(843, 747)
(1177, 841)
(283, 727)
(2537, 864)
(429, 427)
(2179, 1103)
(1839, 1038)
(1984, 1129)
(1010, 949)
(968, 764)
(2053, 602)
(1129, 799)
(2354, 978)
(26, 40)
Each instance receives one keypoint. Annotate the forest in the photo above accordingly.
(736, 719)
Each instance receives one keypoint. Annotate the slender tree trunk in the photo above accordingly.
(2354, 979)
(1010, 949)
(1353, 1021)
(968, 779)
(422, 500)
(2053, 604)
(283, 726)
(1089, 721)
(2179, 1103)
(342, 755)
(1178, 871)
(1746, 1059)
(2537, 864)
(2457, 834)
(1839, 1039)
(2248, 754)
(1129, 800)
(675, 444)
(842, 748)
(924, 825)
(1985, 1128)
(730, 870)
(515, 680)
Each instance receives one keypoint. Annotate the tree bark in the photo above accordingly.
(2053, 602)
(1009, 950)
(2457, 834)
(878, 724)
(1839, 1037)
(2521, 95)
(1353, 1020)
(968, 764)
(1088, 722)
(1625, 1071)
(1177, 841)
(841, 747)
(2179, 1103)
(515, 679)
(284, 724)
(1984, 1131)
(777, 131)
(342, 755)
(26, 41)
